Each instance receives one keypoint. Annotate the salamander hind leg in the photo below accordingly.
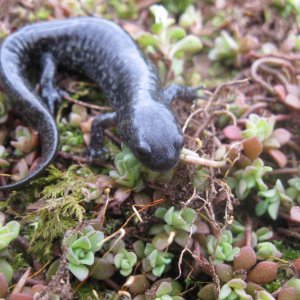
(177, 91)
(96, 150)
(50, 93)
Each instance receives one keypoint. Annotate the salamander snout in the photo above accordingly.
(153, 134)
(143, 150)
(164, 154)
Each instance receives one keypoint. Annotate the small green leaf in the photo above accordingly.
(126, 272)
(157, 271)
(176, 33)
(273, 210)
(14, 228)
(81, 272)
(164, 288)
(83, 242)
(237, 283)
(224, 292)
(147, 39)
(190, 44)
(261, 208)
(118, 259)
(157, 28)
(6, 270)
(88, 258)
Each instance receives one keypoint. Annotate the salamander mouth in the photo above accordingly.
(161, 166)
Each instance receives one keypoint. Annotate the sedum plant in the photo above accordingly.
(80, 250)
(154, 261)
(77, 115)
(179, 225)
(260, 235)
(170, 40)
(264, 295)
(191, 17)
(272, 200)
(128, 170)
(125, 261)
(71, 137)
(250, 177)
(167, 290)
(239, 230)
(8, 233)
(176, 6)
(222, 248)
(26, 140)
(234, 289)
(259, 127)
(225, 48)
(293, 191)
(268, 251)
(263, 234)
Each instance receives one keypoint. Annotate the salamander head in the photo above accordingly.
(153, 135)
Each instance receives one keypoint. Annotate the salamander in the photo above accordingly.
(107, 55)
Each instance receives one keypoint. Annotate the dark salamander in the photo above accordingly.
(106, 54)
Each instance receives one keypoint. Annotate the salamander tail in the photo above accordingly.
(28, 106)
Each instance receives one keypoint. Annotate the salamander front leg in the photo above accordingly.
(49, 92)
(96, 149)
(177, 91)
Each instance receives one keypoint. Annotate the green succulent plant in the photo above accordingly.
(125, 261)
(268, 251)
(293, 191)
(272, 200)
(225, 48)
(260, 235)
(170, 40)
(128, 170)
(8, 233)
(6, 270)
(77, 115)
(71, 137)
(222, 248)
(80, 250)
(155, 261)
(264, 295)
(190, 17)
(234, 289)
(26, 140)
(177, 219)
(249, 178)
(176, 6)
(259, 127)
(178, 227)
(264, 234)
(295, 283)
(168, 291)
(126, 9)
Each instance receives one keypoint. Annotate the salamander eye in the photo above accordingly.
(143, 150)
